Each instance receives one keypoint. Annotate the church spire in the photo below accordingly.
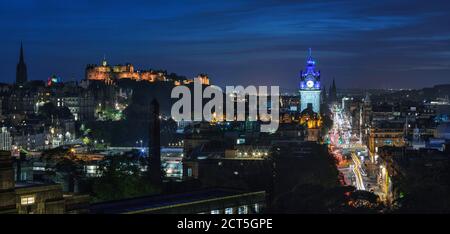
(104, 62)
(332, 93)
(21, 59)
(310, 61)
(367, 98)
(21, 69)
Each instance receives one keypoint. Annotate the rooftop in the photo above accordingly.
(160, 201)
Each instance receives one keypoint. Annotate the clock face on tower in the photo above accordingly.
(310, 83)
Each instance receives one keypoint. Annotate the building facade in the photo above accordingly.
(5, 139)
(386, 135)
(34, 198)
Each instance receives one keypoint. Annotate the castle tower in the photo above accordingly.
(310, 91)
(21, 69)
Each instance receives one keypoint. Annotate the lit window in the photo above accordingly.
(257, 208)
(189, 172)
(91, 169)
(38, 168)
(214, 211)
(27, 200)
(242, 210)
(228, 210)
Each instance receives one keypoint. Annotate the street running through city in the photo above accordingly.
(351, 153)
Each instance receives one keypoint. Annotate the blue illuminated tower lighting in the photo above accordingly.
(310, 85)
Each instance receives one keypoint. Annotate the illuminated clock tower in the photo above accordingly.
(310, 88)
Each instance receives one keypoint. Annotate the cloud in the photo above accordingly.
(233, 40)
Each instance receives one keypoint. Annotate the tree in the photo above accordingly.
(70, 169)
(122, 178)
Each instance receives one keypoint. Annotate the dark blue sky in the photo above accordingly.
(378, 44)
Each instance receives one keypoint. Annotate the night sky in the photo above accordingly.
(370, 44)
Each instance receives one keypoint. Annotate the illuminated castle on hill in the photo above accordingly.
(110, 74)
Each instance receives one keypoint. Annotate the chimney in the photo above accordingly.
(154, 157)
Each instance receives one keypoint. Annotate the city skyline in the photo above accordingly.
(225, 107)
(242, 42)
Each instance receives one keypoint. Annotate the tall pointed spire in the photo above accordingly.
(21, 59)
(104, 62)
(21, 69)
(367, 98)
(332, 93)
(310, 60)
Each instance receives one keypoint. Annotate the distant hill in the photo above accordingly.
(417, 95)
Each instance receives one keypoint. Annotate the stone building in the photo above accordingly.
(110, 74)
(32, 197)
(386, 134)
